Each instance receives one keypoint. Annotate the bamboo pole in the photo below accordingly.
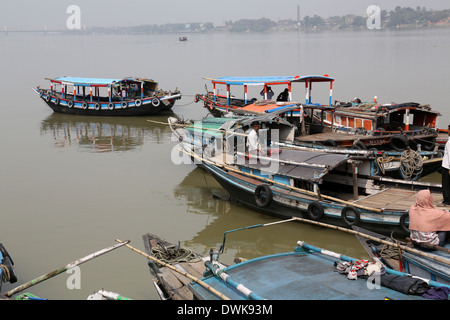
(315, 194)
(187, 275)
(63, 269)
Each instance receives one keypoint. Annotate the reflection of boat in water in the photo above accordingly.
(200, 192)
(102, 134)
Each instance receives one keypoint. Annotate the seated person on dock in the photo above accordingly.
(283, 96)
(427, 225)
(254, 145)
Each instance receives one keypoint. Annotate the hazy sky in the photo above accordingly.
(35, 14)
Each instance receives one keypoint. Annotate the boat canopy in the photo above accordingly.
(254, 80)
(324, 78)
(96, 82)
(299, 164)
(85, 82)
(272, 80)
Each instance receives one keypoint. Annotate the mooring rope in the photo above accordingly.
(411, 163)
(382, 160)
(174, 256)
(5, 273)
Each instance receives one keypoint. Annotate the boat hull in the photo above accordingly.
(288, 205)
(138, 107)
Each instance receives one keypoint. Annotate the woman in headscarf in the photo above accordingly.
(427, 224)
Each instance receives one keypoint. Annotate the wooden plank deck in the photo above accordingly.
(393, 198)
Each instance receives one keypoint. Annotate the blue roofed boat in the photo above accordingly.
(306, 273)
(219, 104)
(428, 262)
(7, 271)
(107, 97)
(388, 126)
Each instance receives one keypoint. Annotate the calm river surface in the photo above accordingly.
(70, 185)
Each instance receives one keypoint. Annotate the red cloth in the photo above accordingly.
(424, 217)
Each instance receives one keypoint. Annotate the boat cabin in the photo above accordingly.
(101, 90)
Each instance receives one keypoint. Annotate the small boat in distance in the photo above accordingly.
(106, 97)
(184, 38)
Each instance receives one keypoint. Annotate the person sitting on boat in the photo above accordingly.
(253, 143)
(354, 102)
(269, 93)
(427, 225)
(283, 96)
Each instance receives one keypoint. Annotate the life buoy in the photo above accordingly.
(56, 101)
(263, 195)
(196, 99)
(399, 142)
(315, 211)
(124, 105)
(404, 221)
(48, 98)
(111, 106)
(41, 93)
(138, 103)
(156, 102)
(70, 104)
(350, 220)
(85, 105)
(97, 106)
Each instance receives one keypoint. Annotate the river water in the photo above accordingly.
(70, 185)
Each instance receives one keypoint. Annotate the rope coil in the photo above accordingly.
(174, 256)
(411, 163)
(6, 275)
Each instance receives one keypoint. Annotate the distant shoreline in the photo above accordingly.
(398, 19)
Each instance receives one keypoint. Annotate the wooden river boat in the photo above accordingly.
(106, 97)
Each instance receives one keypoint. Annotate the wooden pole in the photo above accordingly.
(393, 244)
(63, 269)
(187, 275)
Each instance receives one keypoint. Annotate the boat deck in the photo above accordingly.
(394, 198)
(295, 277)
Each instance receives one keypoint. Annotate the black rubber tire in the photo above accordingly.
(315, 211)
(403, 224)
(399, 142)
(329, 143)
(263, 195)
(345, 217)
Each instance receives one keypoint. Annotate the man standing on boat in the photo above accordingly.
(446, 172)
(267, 94)
(254, 145)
